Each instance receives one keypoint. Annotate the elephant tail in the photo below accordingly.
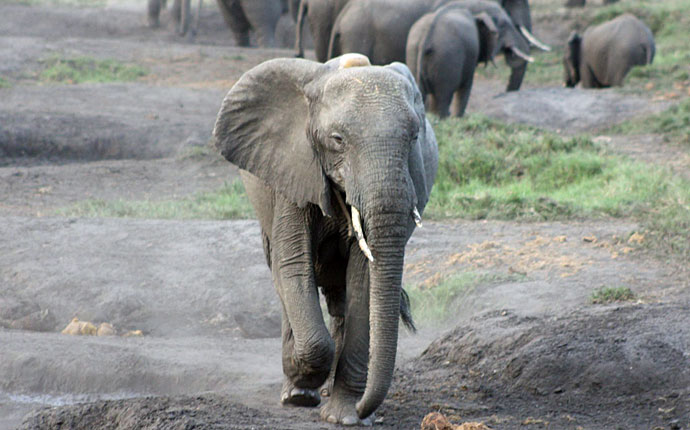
(650, 52)
(406, 311)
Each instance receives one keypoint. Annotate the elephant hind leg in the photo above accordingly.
(154, 11)
(462, 97)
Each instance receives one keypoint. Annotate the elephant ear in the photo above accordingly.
(488, 37)
(262, 128)
(416, 166)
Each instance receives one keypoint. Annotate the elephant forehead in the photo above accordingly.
(367, 83)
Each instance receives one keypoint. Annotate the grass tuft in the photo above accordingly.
(229, 202)
(673, 124)
(4, 83)
(86, 69)
(438, 303)
(606, 295)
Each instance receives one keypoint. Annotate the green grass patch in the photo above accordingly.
(228, 202)
(605, 295)
(673, 124)
(4, 83)
(438, 303)
(491, 170)
(86, 69)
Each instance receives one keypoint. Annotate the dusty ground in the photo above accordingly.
(526, 350)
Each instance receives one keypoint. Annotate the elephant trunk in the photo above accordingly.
(384, 313)
(387, 216)
(517, 74)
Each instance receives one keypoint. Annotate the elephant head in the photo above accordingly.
(519, 12)
(340, 132)
(571, 60)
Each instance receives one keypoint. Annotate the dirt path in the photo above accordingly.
(523, 343)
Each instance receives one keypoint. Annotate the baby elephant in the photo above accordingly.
(606, 53)
(443, 49)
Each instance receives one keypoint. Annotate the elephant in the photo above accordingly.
(321, 14)
(379, 28)
(519, 12)
(260, 16)
(338, 160)
(605, 53)
(181, 14)
(443, 49)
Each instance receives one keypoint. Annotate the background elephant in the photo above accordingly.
(379, 28)
(321, 15)
(338, 179)
(181, 13)
(443, 49)
(511, 42)
(261, 16)
(519, 12)
(376, 28)
(606, 53)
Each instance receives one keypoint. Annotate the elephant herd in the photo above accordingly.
(441, 41)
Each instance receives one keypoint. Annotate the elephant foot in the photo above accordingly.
(294, 396)
(341, 410)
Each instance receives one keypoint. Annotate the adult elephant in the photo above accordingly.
(519, 12)
(443, 49)
(338, 179)
(379, 28)
(260, 16)
(605, 53)
(321, 15)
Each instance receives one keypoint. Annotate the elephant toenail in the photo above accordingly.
(332, 419)
(350, 421)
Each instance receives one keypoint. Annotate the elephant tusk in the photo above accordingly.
(522, 55)
(417, 217)
(533, 40)
(357, 224)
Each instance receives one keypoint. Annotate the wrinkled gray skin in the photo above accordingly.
(261, 16)
(321, 15)
(302, 131)
(606, 53)
(379, 28)
(443, 49)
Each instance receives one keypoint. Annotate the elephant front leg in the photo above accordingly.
(351, 369)
(307, 346)
(290, 394)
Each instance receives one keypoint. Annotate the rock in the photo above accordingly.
(106, 329)
(79, 328)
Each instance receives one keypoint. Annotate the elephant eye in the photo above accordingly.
(337, 138)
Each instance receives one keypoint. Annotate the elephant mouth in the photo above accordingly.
(354, 224)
